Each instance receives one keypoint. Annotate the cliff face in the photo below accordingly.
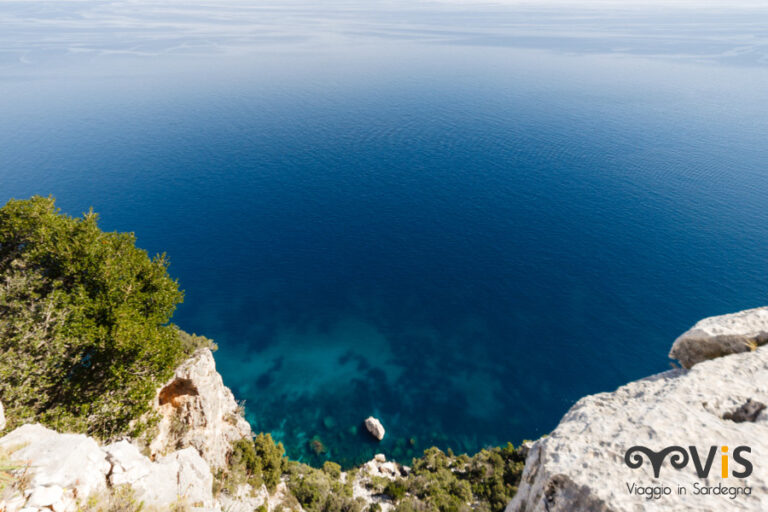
(198, 410)
(717, 403)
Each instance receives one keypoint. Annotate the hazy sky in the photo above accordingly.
(45, 31)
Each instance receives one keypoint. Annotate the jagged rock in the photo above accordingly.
(581, 464)
(718, 336)
(379, 467)
(375, 427)
(180, 475)
(65, 469)
(70, 461)
(748, 411)
(193, 477)
(197, 410)
(2, 417)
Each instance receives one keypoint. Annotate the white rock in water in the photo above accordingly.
(581, 465)
(197, 398)
(375, 427)
(718, 336)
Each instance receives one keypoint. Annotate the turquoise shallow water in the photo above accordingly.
(437, 220)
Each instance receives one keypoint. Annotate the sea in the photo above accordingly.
(457, 217)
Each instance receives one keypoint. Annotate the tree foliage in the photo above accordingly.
(441, 482)
(85, 337)
(253, 461)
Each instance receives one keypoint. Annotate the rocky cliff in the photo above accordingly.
(199, 421)
(661, 443)
(198, 410)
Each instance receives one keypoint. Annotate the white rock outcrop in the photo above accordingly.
(2, 417)
(197, 410)
(717, 336)
(71, 462)
(181, 474)
(375, 427)
(581, 465)
(245, 499)
(63, 470)
(378, 467)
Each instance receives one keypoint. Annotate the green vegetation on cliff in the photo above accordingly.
(84, 321)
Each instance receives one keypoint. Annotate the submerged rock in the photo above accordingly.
(375, 427)
(718, 336)
(581, 464)
(198, 410)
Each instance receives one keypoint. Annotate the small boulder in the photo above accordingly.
(375, 427)
(718, 336)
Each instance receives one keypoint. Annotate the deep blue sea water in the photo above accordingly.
(459, 220)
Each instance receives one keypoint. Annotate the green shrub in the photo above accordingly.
(332, 469)
(395, 489)
(270, 456)
(253, 461)
(85, 330)
(443, 482)
(318, 491)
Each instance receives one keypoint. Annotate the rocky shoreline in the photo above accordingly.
(582, 465)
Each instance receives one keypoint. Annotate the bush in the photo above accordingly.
(255, 462)
(318, 491)
(395, 489)
(332, 469)
(441, 482)
(85, 338)
(270, 456)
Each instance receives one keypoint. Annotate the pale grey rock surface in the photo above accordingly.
(197, 399)
(378, 467)
(74, 462)
(580, 465)
(193, 477)
(179, 475)
(717, 336)
(375, 427)
(65, 469)
(2, 416)
(245, 499)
